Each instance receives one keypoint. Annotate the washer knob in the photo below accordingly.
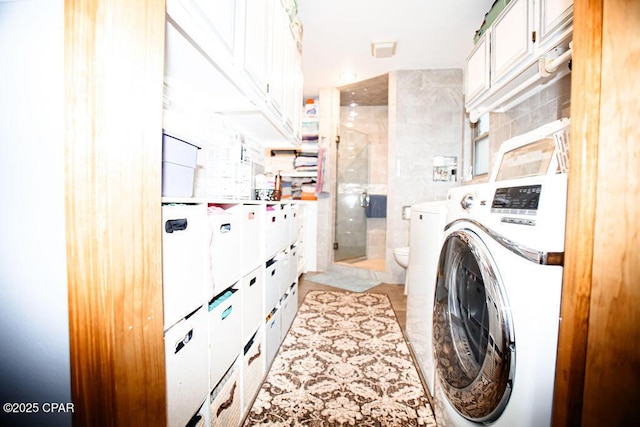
(467, 201)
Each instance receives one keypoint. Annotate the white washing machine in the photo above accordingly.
(425, 239)
(497, 299)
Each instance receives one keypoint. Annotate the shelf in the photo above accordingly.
(294, 174)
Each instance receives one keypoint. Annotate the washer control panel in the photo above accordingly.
(517, 201)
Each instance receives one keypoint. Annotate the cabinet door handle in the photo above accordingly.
(175, 225)
(184, 341)
(226, 312)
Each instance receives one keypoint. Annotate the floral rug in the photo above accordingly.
(344, 362)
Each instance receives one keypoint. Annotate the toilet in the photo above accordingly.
(402, 256)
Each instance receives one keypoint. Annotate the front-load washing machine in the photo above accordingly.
(425, 239)
(496, 311)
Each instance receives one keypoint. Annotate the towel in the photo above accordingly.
(377, 206)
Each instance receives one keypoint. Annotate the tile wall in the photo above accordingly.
(426, 119)
(551, 103)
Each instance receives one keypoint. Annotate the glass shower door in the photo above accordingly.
(352, 182)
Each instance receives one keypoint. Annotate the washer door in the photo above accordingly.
(473, 337)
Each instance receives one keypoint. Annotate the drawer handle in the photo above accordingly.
(253, 281)
(273, 219)
(175, 225)
(225, 228)
(184, 341)
(273, 272)
(227, 403)
(226, 312)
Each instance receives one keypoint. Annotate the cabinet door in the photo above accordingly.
(221, 15)
(511, 41)
(256, 43)
(554, 18)
(477, 72)
(278, 66)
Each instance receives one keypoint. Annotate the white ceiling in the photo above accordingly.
(338, 34)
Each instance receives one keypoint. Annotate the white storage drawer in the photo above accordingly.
(272, 230)
(273, 335)
(282, 233)
(252, 234)
(289, 308)
(252, 368)
(284, 274)
(183, 260)
(272, 274)
(185, 348)
(225, 336)
(225, 409)
(294, 226)
(225, 247)
(293, 264)
(252, 306)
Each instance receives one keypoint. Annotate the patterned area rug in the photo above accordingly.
(344, 362)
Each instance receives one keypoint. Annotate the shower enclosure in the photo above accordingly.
(352, 185)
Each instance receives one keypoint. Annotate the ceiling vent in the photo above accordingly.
(383, 49)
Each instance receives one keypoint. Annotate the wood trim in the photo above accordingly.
(612, 373)
(597, 379)
(581, 212)
(114, 53)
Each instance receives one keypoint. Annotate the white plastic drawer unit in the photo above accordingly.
(283, 227)
(289, 308)
(293, 264)
(225, 247)
(273, 335)
(252, 243)
(284, 275)
(294, 226)
(185, 349)
(184, 230)
(225, 409)
(252, 289)
(272, 275)
(225, 339)
(252, 368)
(272, 230)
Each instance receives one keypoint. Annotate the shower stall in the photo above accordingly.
(352, 190)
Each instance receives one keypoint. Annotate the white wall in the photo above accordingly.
(34, 332)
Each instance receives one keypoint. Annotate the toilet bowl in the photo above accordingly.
(402, 256)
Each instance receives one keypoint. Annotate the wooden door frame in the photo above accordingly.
(114, 56)
(597, 381)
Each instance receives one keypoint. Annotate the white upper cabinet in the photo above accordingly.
(507, 64)
(234, 57)
(256, 42)
(278, 70)
(512, 41)
(222, 16)
(477, 71)
(555, 19)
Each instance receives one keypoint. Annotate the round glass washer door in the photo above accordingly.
(473, 339)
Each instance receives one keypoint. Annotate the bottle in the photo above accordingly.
(277, 188)
(310, 110)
